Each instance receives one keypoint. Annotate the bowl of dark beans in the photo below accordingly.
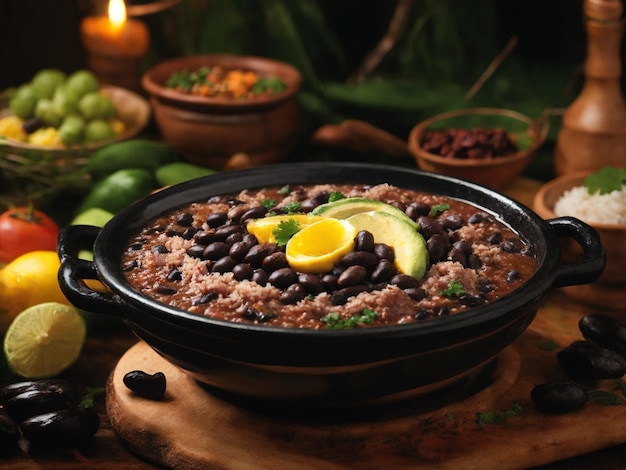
(489, 146)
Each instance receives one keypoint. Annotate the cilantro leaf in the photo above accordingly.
(499, 417)
(285, 230)
(438, 209)
(606, 398)
(284, 190)
(335, 196)
(606, 180)
(454, 290)
(269, 203)
(88, 401)
(292, 207)
(334, 321)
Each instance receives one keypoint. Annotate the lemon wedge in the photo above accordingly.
(317, 247)
(44, 340)
(407, 243)
(264, 228)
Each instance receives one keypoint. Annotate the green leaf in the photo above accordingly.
(454, 290)
(334, 321)
(438, 209)
(335, 196)
(606, 398)
(285, 230)
(499, 417)
(88, 401)
(547, 345)
(606, 180)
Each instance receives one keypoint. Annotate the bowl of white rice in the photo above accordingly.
(568, 195)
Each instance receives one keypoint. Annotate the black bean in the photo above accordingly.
(239, 250)
(32, 124)
(185, 219)
(174, 275)
(365, 259)
(254, 315)
(60, 386)
(135, 247)
(458, 256)
(274, 261)
(473, 261)
(34, 402)
(383, 271)
(364, 241)
(559, 396)
(173, 232)
(404, 281)
(196, 251)
(512, 246)
(293, 294)
(494, 238)
(352, 276)
(384, 251)
(417, 209)
(258, 253)
(253, 213)
(416, 293)
(452, 222)
(224, 265)
(485, 285)
(429, 227)
(216, 219)
(204, 237)
(329, 282)
(223, 232)
(234, 238)
(341, 296)
(161, 249)
(260, 276)
(215, 250)
(604, 330)
(242, 271)
(584, 360)
(146, 385)
(512, 275)
(463, 246)
(166, 290)
(437, 246)
(442, 311)
(130, 265)
(477, 218)
(9, 434)
(206, 298)
(472, 300)
(422, 314)
(66, 428)
(283, 278)
(235, 214)
(311, 283)
(190, 232)
(249, 238)
(308, 205)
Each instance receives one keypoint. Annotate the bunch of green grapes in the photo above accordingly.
(55, 108)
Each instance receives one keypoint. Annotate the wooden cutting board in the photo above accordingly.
(192, 428)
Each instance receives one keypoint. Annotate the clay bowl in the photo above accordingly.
(496, 172)
(609, 290)
(328, 368)
(209, 131)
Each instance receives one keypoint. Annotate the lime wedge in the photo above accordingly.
(407, 243)
(44, 340)
(347, 207)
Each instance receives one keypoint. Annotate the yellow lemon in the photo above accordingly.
(44, 340)
(29, 279)
(264, 229)
(317, 247)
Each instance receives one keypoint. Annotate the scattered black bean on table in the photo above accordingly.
(559, 396)
(150, 386)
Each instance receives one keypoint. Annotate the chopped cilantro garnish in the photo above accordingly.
(285, 230)
(269, 203)
(620, 385)
(292, 207)
(284, 190)
(334, 321)
(270, 84)
(438, 209)
(606, 180)
(498, 417)
(88, 401)
(335, 196)
(547, 345)
(455, 289)
(606, 398)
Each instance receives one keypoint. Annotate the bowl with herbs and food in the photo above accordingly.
(489, 146)
(346, 284)
(226, 111)
(598, 198)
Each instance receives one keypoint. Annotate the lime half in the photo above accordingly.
(44, 340)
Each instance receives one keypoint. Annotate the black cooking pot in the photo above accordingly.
(323, 367)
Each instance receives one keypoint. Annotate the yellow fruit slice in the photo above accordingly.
(347, 207)
(263, 228)
(408, 244)
(29, 279)
(317, 247)
(44, 340)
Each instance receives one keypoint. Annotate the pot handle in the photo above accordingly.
(74, 271)
(594, 259)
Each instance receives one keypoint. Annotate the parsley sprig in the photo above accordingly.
(285, 230)
(334, 321)
(606, 180)
(454, 290)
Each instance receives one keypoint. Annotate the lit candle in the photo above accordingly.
(115, 44)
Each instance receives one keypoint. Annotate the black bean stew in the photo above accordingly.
(202, 259)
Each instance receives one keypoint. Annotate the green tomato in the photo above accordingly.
(23, 102)
(44, 110)
(97, 130)
(46, 81)
(82, 82)
(72, 129)
(65, 102)
(94, 105)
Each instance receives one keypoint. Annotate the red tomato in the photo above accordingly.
(24, 229)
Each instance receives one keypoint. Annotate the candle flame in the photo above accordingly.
(117, 13)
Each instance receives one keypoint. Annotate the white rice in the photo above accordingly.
(598, 208)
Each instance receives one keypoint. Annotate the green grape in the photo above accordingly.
(23, 102)
(44, 110)
(65, 102)
(82, 82)
(97, 130)
(95, 106)
(72, 129)
(46, 81)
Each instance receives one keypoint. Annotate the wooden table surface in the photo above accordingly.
(105, 345)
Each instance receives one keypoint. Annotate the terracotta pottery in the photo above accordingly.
(609, 290)
(209, 131)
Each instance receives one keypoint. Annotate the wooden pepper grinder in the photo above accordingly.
(593, 131)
